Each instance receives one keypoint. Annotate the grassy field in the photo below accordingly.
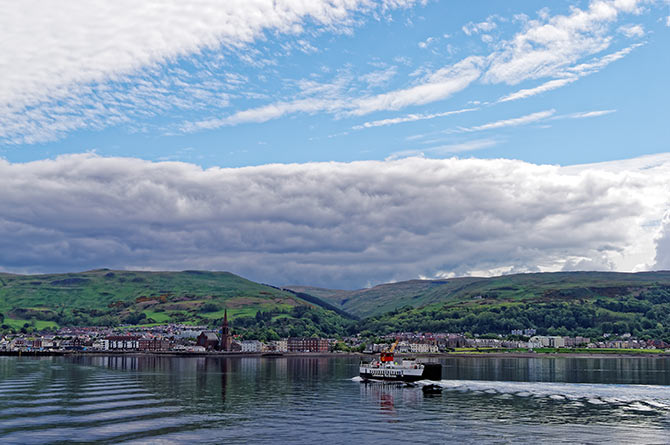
(39, 324)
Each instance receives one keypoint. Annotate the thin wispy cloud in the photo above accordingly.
(596, 65)
(89, 41)
(531, 54)
(410, 118)
(547, 46)
(572, 74)
(547, 86)
(60, 63)
(585, 114)
(445, 149)
(55, 82)
(513, 122)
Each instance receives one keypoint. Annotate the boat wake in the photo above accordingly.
(640, 398)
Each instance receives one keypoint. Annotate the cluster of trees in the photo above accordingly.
(645, 314)
(75, 317)
(299, 321)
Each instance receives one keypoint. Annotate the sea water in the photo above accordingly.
(165, 400)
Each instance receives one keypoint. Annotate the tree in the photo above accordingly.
(210, 307)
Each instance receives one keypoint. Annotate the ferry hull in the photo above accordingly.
(430, 371)
(396, 378)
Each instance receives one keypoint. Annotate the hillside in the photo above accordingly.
(535, 287)
(574, 303)
(110, 297)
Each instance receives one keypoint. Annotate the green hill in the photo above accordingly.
(110, 297)
(531, 288)
(565, 303)
(590, 304)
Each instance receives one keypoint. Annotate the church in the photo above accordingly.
(209, 340)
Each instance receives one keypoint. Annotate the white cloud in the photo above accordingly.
(434, 86)
(667, 21)
(330, 224)
(136, 99)
(424, 44)
(266, 113)
(571, 74)
(514, 122)
(409, 118)
(662, 259)
(549, 45)
(547, 86)
(445, 149)
(632, 30)
(586, 114)
(475, 28)
(598, 64)
(80, 52)
(48, 47)
(380, 77)
(74, 66)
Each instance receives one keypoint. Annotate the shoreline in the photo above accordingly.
(481, 354)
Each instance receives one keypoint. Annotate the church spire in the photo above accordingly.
(226, 339)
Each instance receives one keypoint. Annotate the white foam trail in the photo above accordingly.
(637, 406)
(635, 397)
(357, 379)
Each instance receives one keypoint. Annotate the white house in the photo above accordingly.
(251, 346)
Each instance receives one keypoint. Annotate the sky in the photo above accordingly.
(337, 143)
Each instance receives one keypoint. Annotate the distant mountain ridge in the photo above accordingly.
(544, 287)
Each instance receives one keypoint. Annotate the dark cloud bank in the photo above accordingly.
(331, 224)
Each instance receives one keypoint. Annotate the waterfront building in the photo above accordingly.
(422, 348)
(154, 344)
(307, 344)
(121, 342)
(208, 340)
(251, 346)
(280, 345)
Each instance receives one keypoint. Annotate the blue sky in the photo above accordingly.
(340, 143)
(176, 107)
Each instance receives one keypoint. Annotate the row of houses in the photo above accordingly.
(404, 347)
(209, 341)
(109, 343)
(434, 343)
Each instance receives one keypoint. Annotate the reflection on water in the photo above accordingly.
(636, 370)
(145, 399)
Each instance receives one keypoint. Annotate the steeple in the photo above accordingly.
(226, 339)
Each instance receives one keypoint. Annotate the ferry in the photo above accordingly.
(388, 368)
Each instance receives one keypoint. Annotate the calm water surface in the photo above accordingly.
(143, 399)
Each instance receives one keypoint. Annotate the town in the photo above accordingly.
(188, 339)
